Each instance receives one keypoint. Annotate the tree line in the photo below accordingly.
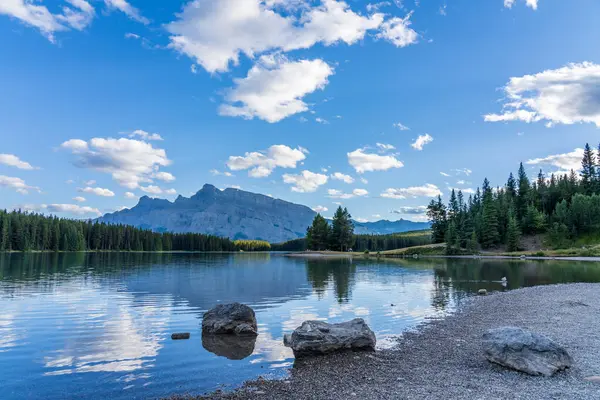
(563, 207)
(22, 231)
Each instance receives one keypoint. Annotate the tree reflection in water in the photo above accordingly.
(340, 272)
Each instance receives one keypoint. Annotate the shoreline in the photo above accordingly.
(443, 358)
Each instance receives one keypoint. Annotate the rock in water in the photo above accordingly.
(234, 318)
(317, 337)
(525, 351)
(482, 292)
(180, 336)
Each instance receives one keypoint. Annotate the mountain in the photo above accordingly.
(236, 214)
(385, 227)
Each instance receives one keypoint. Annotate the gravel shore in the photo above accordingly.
(443, 359)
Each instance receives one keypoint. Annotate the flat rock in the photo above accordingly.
(234, 318)
(525, 351)
(318, 337)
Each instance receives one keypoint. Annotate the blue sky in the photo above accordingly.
(297, 99)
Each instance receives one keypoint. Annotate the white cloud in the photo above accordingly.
(401, 126)
(61, 208)
(216, 172)
(361, 220)
(79, 199)
(164, 176)
(567, 95)
(212, 34)
(305, 182)
(338, 194)
(410, 210)
(70, 182)
(152, 189)
(129, 195)
(89, 183)
(444, 174)
(321, 121)
(464, 190)
(465, 171)
(376, 6)
(421, 141)
(385, 147)
(262, 164)
(274, 88)
(130, 162)
(365, 162)
(77, 14)
(530, 3)
(97, 191)
(342, 177)
(565, 162)
(145, 135)
(17, 184)
(397, 31)
(171, 191)
(320, 209)
(13, 161)
(427, 190)
(127, 9)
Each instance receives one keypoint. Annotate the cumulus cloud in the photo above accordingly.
(365, 162)
(216, 172)
(211, 34)
(163, 176)
(320, 209)
(262, 164)
(76, 14)
(397, 31)
(564, 162)
(530, 3)
(73, 209)
(385, 147)
(13, 161)
(306, 181)
(79, 199)
(97, 191)
(401, 126)
(444, 174)
(427, 190)
(129, 195)
(418, 210)
(274, 88)
(338, 194)
(338, 176)
(127, 9)
(567, 95)
(421, 141)
(130, 162)
(17, 184)
(145, 135)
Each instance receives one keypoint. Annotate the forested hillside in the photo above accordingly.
(563, 207)
(21, 231)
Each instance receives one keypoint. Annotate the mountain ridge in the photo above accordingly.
(236, 214)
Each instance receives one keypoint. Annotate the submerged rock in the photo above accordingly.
(233, 347)
(525, 351)
(317, 337)
(234, 318)
(482, 292)
(180, 336)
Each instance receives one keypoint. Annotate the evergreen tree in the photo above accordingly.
(489, 229)
(452, 239)
(523, 194)
(588, 170)
(513, 234)
(342, 230)
(318, 234)
(436, 212)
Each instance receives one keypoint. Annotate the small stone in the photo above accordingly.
(482, 292)
(180, 336)
(593, 379)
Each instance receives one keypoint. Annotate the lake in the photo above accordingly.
(98, 326)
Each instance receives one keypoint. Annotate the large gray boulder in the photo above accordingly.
(317, 337)
(525, 351)
(234, 318)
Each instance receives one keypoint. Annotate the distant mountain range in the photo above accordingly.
(236, 214)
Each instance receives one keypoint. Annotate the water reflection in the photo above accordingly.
(233, 347)
(98, 325)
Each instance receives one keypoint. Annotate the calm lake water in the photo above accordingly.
(98, 326)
